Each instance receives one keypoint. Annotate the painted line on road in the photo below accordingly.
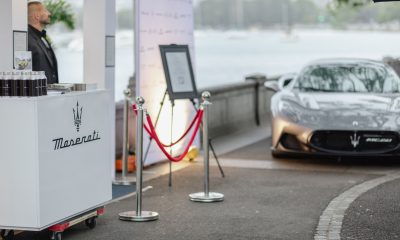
(331, 220)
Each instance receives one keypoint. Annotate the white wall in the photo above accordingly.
(13, 17)
(99, 21)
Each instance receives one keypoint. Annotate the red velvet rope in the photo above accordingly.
(186, 132)
(155, 137)
(177, 141)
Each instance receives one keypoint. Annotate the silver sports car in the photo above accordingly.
(337, 107)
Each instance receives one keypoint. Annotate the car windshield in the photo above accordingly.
(374, 78)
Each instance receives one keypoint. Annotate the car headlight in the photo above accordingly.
(395, 105)
(298, 114)
(288, 110)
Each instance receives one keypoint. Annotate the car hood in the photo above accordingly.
(344, 111)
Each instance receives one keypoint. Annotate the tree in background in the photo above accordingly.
(247, 14)
(363, 11)
(62, 12)
(125, 19)
(351, 3)
(239, 14)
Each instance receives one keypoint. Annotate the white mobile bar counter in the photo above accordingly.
(55, 158)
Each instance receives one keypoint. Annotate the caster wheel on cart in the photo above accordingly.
(7, 234)
(56, 236)
(91, 222)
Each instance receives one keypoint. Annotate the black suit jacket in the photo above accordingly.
(43, 57)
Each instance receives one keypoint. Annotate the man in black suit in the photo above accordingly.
(43, 57)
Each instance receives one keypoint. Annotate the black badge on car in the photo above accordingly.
(355, 140)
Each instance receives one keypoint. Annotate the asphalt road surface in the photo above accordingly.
(265, 198)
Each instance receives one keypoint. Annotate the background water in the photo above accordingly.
(227, 57)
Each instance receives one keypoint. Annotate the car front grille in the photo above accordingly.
(355, 141)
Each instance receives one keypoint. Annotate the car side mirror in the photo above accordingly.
(272, 85)
(285, 80)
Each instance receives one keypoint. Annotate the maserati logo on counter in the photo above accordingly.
(61, 142)
(355, 140)
(77, 116)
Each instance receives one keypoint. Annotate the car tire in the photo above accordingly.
(277, 154)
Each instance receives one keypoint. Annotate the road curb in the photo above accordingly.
(331, 220)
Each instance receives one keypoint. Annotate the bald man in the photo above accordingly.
(43, 57)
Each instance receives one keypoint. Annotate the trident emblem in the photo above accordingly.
(77, 116)
(355, 140)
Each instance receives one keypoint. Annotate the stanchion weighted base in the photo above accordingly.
(144, 217)
(125, 181)
(201, 197)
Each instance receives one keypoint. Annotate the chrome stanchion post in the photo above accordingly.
(139, 215)
(124, 180)
(125, 146)
(206, 196)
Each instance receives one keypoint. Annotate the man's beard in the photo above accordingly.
(45, 22)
